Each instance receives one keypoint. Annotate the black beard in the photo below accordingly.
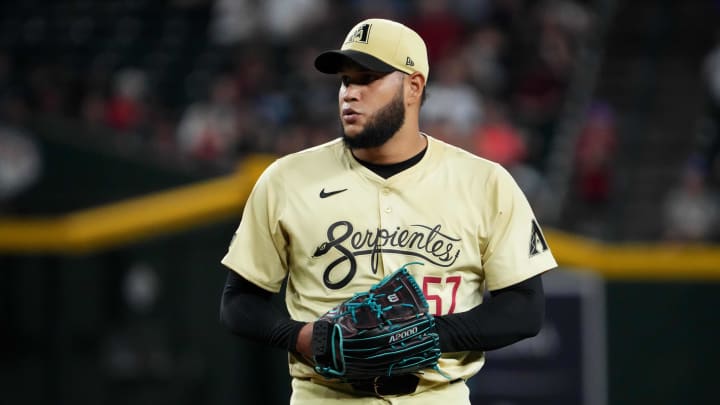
(381, 126)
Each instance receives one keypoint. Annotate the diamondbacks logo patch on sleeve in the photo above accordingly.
(537, 240)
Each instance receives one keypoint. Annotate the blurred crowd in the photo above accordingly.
(692, 205)
(209, 82)
(212, 81)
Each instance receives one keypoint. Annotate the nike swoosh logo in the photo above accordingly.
(324, 194)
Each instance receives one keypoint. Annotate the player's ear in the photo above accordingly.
(414, 89)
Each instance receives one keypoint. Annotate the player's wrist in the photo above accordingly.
(303, 344)
(321, 337)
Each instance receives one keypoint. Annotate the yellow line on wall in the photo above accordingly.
(135, 219)
(641, 261)
(138, 219)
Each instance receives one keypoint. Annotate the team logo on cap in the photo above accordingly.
(361, 34)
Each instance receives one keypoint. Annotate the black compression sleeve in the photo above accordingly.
(248, 311)
(511, 314)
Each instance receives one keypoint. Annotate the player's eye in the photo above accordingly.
(367, 78)
(361, 79)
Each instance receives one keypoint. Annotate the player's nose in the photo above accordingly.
(350, 92)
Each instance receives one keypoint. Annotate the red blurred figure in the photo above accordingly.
(443, 31)
(497, 138)
(125, 110)
(593, 154)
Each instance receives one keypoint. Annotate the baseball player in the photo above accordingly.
(336, 218)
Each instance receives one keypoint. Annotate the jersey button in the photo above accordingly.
(386, 191)
(388, 210)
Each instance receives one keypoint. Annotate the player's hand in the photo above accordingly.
(384, 331)
(304, 341)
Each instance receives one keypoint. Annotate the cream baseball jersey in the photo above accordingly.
(334, 227)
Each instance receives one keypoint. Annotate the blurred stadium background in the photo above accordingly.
(131, 132)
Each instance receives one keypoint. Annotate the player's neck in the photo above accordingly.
(405, 144)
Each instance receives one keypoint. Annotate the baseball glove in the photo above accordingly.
(385, 331)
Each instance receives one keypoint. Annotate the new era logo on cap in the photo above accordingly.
(409, 62)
